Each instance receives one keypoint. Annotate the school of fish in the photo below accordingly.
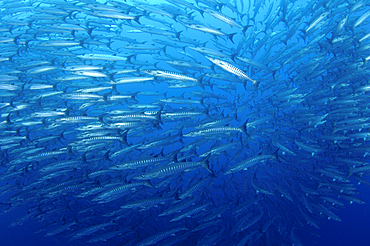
(183, 122)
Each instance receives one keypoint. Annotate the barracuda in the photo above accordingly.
(49, 154)
(96, 95)
(81, 119)
(168, 170)
(174, 75)
(119, 191)
(217, 130)
(191, 65)
(127, 80)
(60, 43)
(80, 96)
(95, 74)
(212, 52)
(251, 162)
(151, 240)
(145, 162)
(101, 139)
(222, 17)
(116, 15)
(145, 204)
(211, 30)
(361, 19)
(44, 69)
(95, 89)
(139, 117)
(234, 70)
(90, 230)
(256, 63)
(219, 149)
(103, 57)
(316, 22)
(180, 115)
(190, 212)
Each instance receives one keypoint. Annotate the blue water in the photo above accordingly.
(304, 174)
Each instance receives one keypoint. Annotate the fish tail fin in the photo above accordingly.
(124, 137)
(285, 22)
(69, 151)
(352, 28)
(157, 126)
(177, 192)
(245, 28)
(174, 156)
(205, 164)
(334, 127)
(276, 155)
(7, 119)
(230, 36)
(133, 96)
(89, 31)
(136, 19)
(164, 49)
(105, 97)
(106, 156)
(101, 119)
(206, 111)
(61, 136)
(82, 42)
(83, 158)
(26, 136)
(304, 34)
(199, 81)
(303, 31)
(27, 42)
(128, 58)
(147, 183)
(178, 35)
(236, 114)
(233, 57)
(330, 41)
(256, 83)
(245, 84)
(349, 174)
(206, 159)
(274, 73)
(202, 102)
(179, 134)
(243, 128)
(158, 116)
(201, 12)
(114, 88)
(357, 43)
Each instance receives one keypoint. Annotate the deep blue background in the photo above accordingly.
(353, 230)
